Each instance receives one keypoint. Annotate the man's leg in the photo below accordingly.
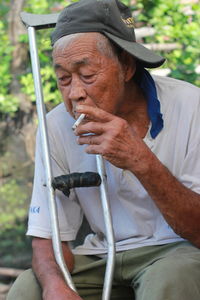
(173, 276)
(26, 287)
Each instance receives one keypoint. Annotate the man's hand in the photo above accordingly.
(113, 138)
(61, 293)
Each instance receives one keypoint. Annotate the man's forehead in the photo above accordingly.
(76, 63)
(80, 49)
(80, 42)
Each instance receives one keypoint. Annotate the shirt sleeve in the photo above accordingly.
(69, 212)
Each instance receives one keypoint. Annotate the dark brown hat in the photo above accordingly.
(110, 17)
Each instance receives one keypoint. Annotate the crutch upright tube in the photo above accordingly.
(46, 156)
(109, 229)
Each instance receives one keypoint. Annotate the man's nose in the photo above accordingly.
(77, 91)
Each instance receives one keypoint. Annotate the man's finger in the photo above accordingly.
(90, 127)
(94, 149)
(94, 113)
(89, 140)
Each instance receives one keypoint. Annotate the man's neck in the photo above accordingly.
(134, 109)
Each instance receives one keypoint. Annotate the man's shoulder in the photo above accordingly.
(175, 90)
(173, 83)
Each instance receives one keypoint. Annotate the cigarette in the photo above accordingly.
(78, 121)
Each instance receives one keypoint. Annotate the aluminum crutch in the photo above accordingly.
(34, 22)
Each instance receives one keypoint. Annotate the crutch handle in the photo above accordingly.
(39, 21)
(65, 182)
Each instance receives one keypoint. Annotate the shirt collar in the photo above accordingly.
(148, 86)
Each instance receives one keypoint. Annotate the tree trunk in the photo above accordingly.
(26, 114)
(20, 52)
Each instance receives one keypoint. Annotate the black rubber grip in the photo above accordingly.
(65, 182)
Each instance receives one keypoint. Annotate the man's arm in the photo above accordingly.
(179, 205)
(48, 273)
(121, 146)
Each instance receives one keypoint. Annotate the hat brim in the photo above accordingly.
(147, 57)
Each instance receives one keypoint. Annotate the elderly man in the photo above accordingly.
(147, 130)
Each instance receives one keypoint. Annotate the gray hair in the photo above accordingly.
(104, 45)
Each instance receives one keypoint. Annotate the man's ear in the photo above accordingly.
(128, 65)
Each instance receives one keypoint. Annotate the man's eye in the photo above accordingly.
(88, 78)
(64, 79)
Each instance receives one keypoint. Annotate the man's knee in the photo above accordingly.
(25, 287)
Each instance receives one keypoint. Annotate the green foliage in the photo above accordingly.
(50, 91)
(15, 246)
(12, 204)
(51, 94)
(8, 104)
(176, 22)
(16, 172)
(46, 6)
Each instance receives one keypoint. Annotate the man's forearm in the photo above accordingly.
(179, 205)
(46, 269)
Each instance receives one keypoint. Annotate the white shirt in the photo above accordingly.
(137, 221)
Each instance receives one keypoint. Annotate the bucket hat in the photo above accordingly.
(109, 17)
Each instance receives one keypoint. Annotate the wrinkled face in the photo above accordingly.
(87, 75)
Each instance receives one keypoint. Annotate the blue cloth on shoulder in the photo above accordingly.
(148, 86)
